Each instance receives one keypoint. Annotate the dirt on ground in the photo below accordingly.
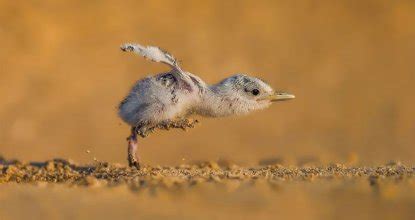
(187, 175)
(62, 189)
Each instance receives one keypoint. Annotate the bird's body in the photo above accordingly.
(155, 99)
(158, 98)
(167, 99)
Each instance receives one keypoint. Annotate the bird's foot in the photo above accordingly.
(134, 164)
(133, 161)
(187, 123)
(181, 123)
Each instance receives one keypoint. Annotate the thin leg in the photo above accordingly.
(183, 123)
(187, 123)
(144, 129)
(133, 160)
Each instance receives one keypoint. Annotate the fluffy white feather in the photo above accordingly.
(152, 53)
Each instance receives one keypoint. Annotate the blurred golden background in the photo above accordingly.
(350, 64)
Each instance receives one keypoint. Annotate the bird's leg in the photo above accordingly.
(133, 160)
(182, 123)
(185, 123)
(144, 129)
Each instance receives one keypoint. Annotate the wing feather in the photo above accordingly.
(157, 54)
(151, 53)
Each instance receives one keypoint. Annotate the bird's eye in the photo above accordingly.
(255, 92)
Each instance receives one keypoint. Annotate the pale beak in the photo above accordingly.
(281, 96)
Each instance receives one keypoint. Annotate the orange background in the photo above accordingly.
(350, 64)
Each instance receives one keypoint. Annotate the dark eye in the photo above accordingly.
(255, 92)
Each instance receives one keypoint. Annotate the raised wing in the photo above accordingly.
(152, 53)
(157, 55)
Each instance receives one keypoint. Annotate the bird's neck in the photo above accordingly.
(216, 102)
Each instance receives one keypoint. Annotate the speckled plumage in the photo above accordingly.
(166, 100)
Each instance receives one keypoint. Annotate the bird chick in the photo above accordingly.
(166, 100)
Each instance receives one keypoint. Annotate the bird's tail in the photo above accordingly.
(152, 53)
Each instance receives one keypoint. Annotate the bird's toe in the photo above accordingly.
(134, 164)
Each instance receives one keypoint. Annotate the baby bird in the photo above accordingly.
(166, 100)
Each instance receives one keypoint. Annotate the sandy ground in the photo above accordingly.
(60, 189)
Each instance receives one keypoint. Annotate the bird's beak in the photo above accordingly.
(281, 96)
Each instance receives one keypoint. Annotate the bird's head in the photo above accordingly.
(249, 93)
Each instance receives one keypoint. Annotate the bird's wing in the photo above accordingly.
(157, 55)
